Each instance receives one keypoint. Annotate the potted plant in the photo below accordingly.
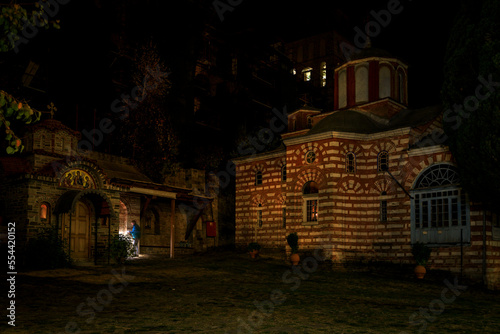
(253, 249)
(421, 253)
(293, 242)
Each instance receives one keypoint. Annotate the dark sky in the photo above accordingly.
(79, 66)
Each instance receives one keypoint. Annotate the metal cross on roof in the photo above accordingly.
(52, 109)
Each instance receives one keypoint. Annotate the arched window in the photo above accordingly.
(350, 162)
(383, 161)
(310, 202)
(384, 82)
(258, 178)
(440, 211)
(45, 213)
(342, 78)
(283, 173)
(383, 207)
(361, 84)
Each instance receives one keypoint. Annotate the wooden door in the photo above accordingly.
(80, 230)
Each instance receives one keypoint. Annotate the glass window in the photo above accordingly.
(283, 173)
(383, 208)
(350, 162)
(323, 74)
(45, 212)
(259, 216)
(361, 84)
(310, 157)
(440, 211)
(310, 198)
(258, 178)
(383, 161)
(307, 73)
(384, 82)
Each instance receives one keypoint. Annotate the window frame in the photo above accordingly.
(383, 207)
(307, 74)
(310, 203)
(283, 173)
(440, 213)
(48, 211)
(259, 220)
(258, 178)
(350, 163)
(379, 162)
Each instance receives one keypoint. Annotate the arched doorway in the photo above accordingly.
(84, 221)
(80, 232)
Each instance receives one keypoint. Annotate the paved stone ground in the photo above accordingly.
(227, 292)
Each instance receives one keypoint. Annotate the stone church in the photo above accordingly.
(89, 197)
(367, 180)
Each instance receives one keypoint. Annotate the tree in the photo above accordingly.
(471, 97)
(148, 135)
(14, 20)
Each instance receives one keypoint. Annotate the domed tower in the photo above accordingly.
(373, 81)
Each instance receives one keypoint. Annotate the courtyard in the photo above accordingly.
(228, 292)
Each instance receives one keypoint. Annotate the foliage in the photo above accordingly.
(293, 242)
(473, 52)
(47, 251)
(253, 246)
(421, 253)
(121, 247)
(11, 107)
(13, 19)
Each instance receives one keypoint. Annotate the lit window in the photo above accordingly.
(383, 161)
(294, 71)
(258, 178)
(440, 213)
(310, 202)
(283, 173)
(350, 161)
(323, 74)
(310, 157)
(383, 208)
(307, 72)
(45, 212)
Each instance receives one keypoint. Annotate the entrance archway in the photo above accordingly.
(83, 218)
(80, 232)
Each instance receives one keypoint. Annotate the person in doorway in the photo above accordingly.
(136, 235)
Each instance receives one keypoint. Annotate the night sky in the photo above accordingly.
(77, 60)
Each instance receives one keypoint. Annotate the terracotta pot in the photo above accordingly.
(254, 253)
(420, 271)
(295, 258)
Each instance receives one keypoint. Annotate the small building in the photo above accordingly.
(89, 197)
(367, 180)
